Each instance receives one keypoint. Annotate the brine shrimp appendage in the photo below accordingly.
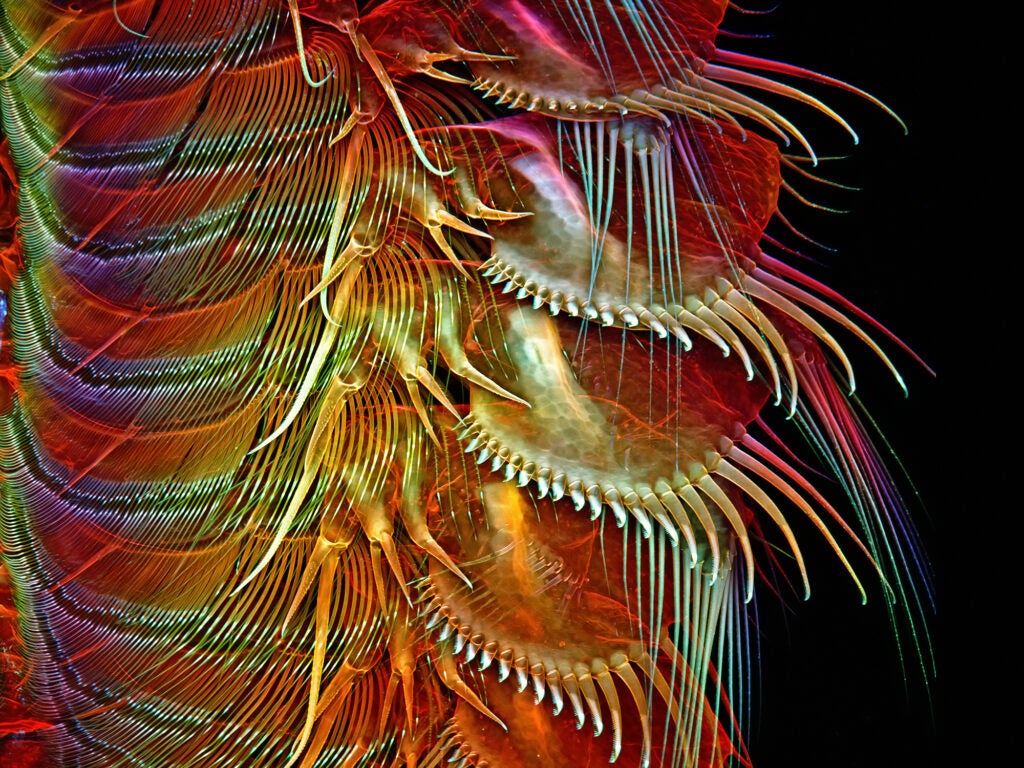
(393, 383)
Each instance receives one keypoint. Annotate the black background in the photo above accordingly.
(911, 252)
